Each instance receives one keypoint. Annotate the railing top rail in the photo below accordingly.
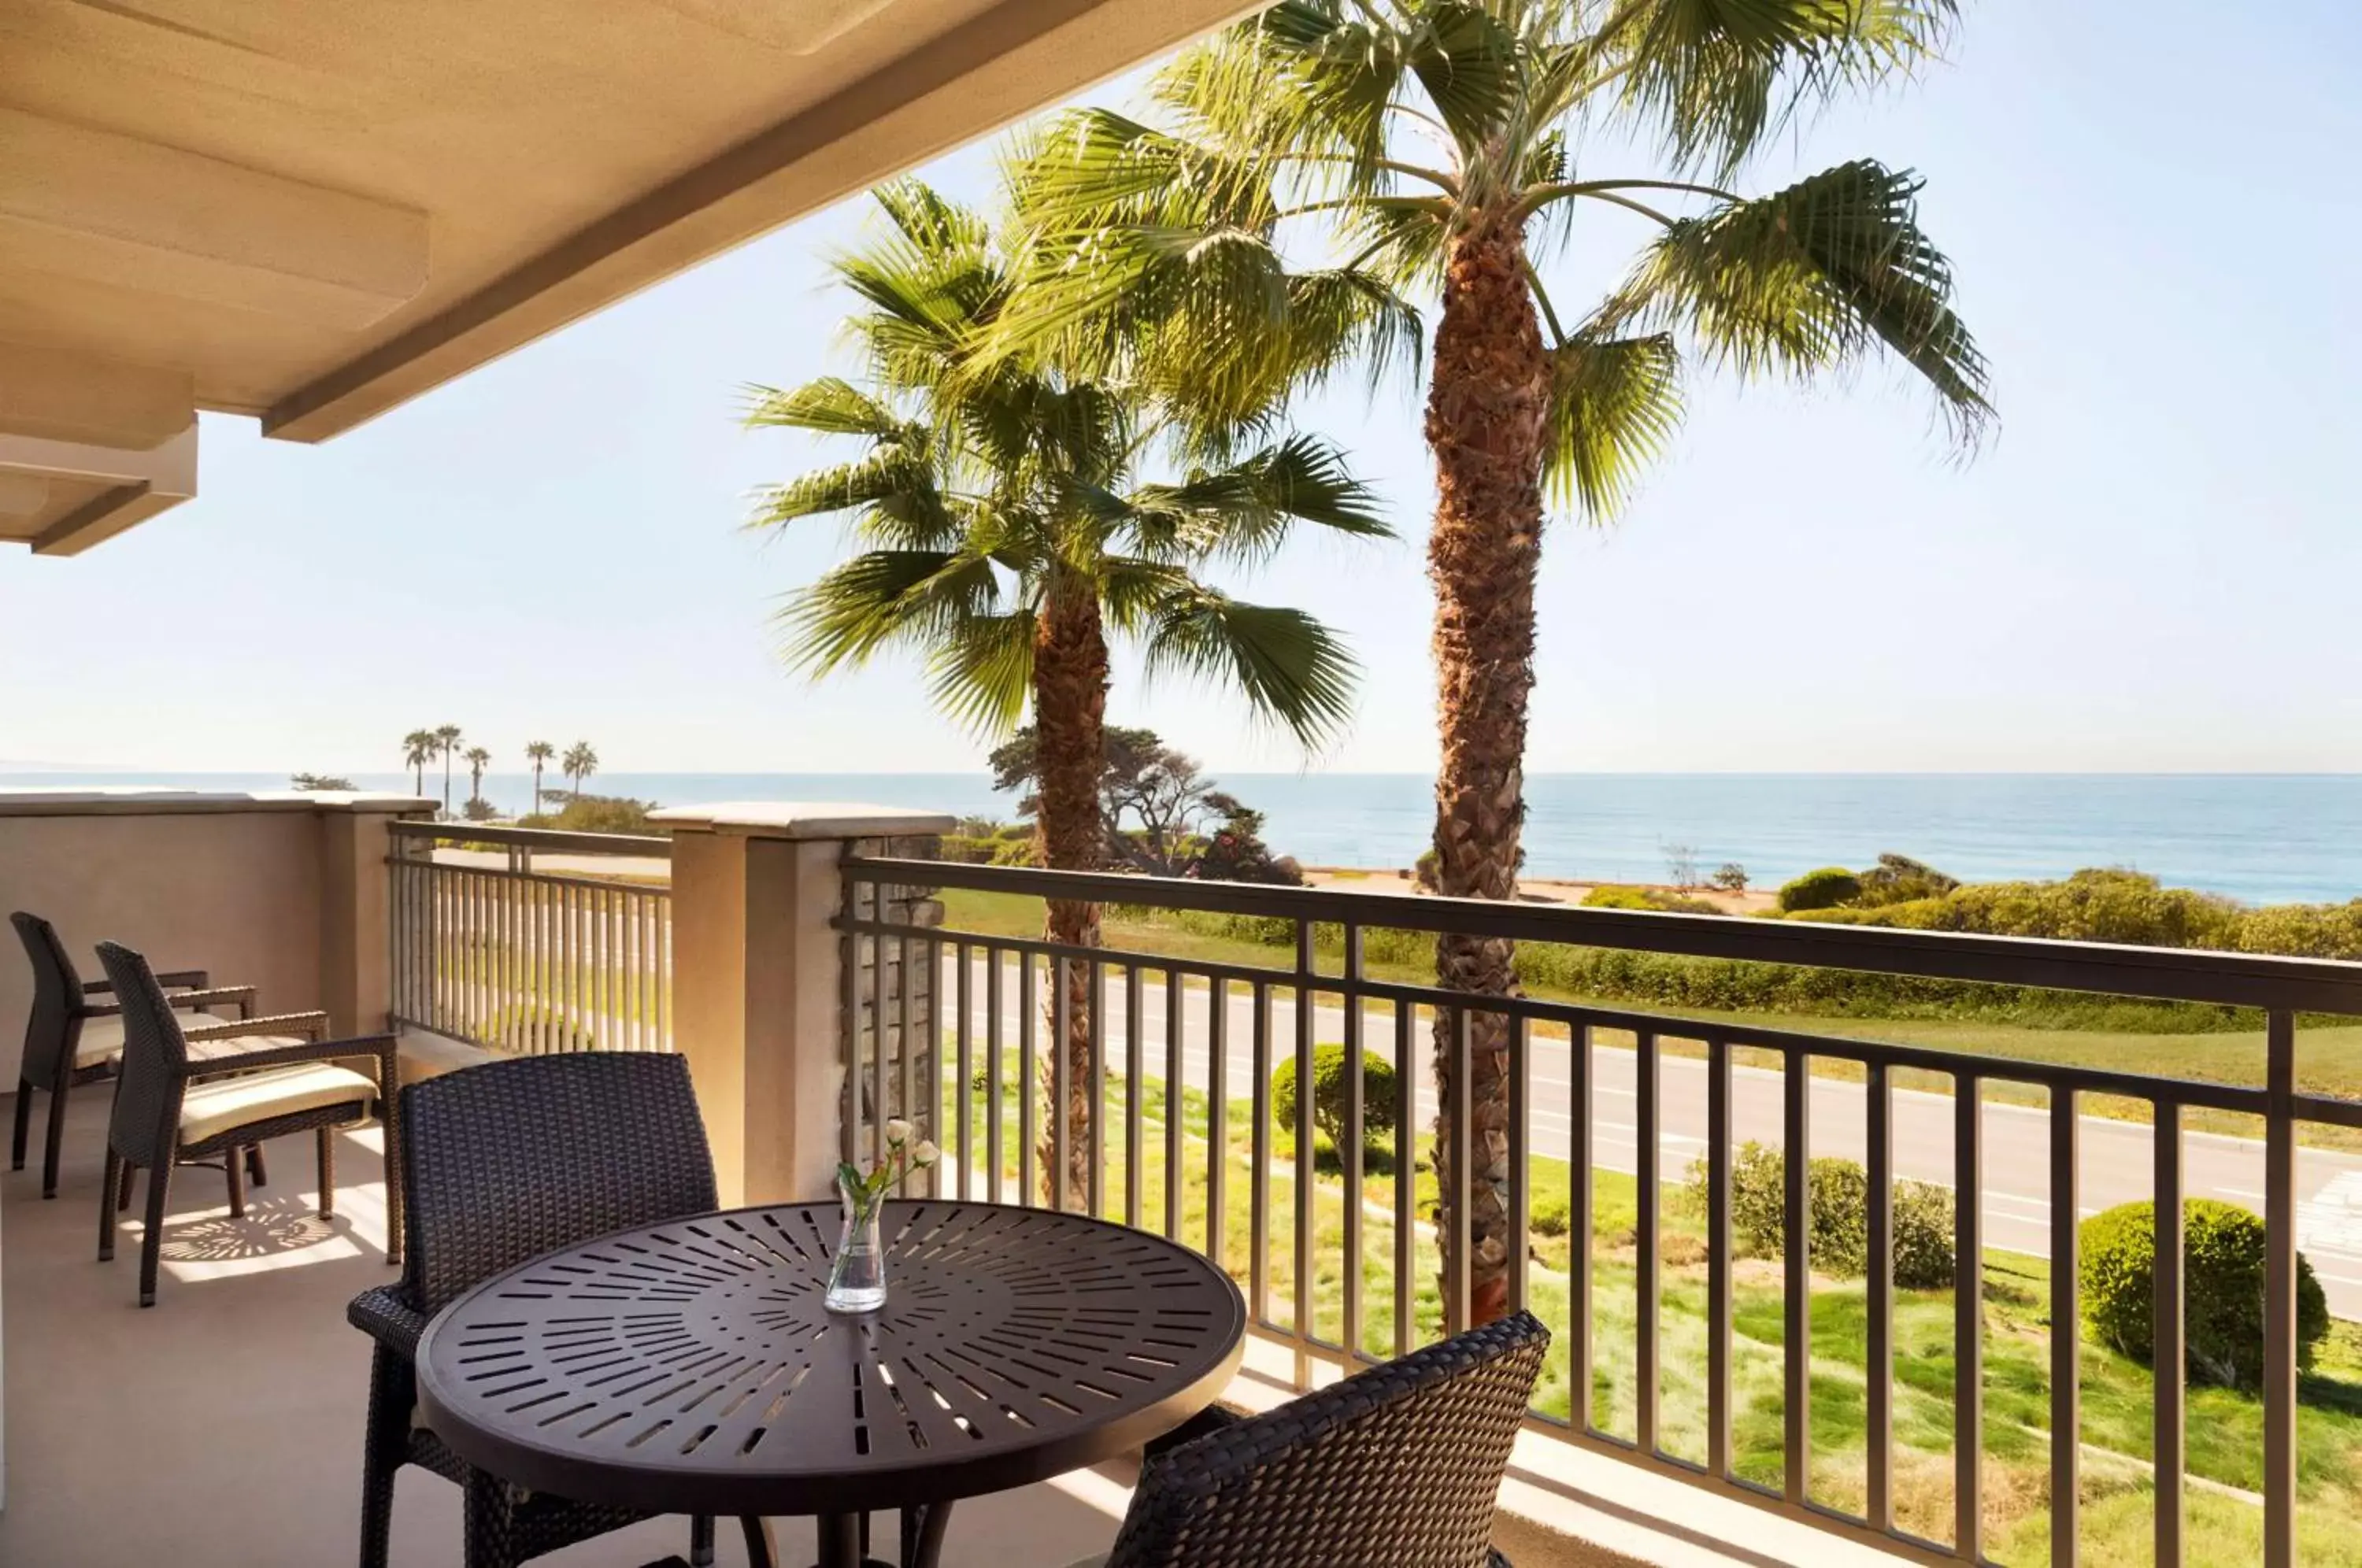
(2170, 974)
(645, 845)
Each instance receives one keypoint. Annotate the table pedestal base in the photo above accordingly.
(844, 1539)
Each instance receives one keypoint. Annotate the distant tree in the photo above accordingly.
(1730, 876)
(1681, 865)
(1235, 851)
(417, 751)
(1153, 799)
(323, 781)
(538, 753)
(1898, 878)
(579, 763)
(446, 741)
(477, 760)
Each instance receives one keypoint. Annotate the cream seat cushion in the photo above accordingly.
(212, 1108)
(102, 1037)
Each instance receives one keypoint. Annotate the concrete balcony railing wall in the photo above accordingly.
(286, 893)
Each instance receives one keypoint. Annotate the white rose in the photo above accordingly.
(898, 1131)
(926, 1154)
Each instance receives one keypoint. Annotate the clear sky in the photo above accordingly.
(2152, 565)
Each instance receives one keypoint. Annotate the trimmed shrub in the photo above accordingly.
(1837, 1191)
(1332, 1091)
(1424, 871)
(1615, 896)
(2222, 1289)
(1822, 889)
(1552, 1217)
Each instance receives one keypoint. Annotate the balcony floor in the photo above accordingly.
(222, 1426)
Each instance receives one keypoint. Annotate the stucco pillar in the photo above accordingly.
(756, 980)
(356, 899)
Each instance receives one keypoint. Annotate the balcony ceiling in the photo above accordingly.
(311, 213)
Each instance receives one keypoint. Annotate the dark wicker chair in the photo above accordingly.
(174, 1107)
(74, 1035)
(506, 1162)
(1397, 1467)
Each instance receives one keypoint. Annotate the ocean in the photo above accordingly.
(2261, 838)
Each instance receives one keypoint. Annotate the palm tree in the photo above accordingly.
(1011, 537)
(477, 760)
(418, 750)
(538, 753)
(446, 741)
(579, 763)
(1452, 146)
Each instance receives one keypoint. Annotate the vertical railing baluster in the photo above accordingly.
(1094, 1146)
(1718, 1258)
(878, 1099)
(1407, 1072)
(1967, 1319)
(993, 1093)
(1459, 1112)
(1521, 1167)
(906, 1049)
(848, 1007)
(2066, 1372)
(2279, 1290)
(1647, 1137)
(1879, 1367)
(1062, 1081)
(1028, 1110)
(1356, 1121)
(1259, 1146)
(1135, 1071)
(1217, 1114)
(963, 1066)
(1175, 1102)
(1796, 1273)
(1578, 1251)
(1306, 1093)
(2168, 1355)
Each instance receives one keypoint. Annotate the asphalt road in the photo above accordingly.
(2115, 1165)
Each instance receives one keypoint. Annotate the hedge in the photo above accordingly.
(1332, 1091)
(1821, 890)
(1837, 1192)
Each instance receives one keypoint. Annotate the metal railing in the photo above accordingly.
(516, 959)
(1166, 1150)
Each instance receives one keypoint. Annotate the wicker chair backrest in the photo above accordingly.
(513, 1159)
(56, 997)
(155, 1060)
(1397, 1467)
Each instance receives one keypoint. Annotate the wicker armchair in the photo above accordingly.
(1397, 1467)
(74, 1035)
(506, 1162)
(174, 1106)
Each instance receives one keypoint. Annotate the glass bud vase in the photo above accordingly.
(856, 1277)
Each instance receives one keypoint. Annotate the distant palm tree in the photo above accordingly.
(417, 750)
(579, 763)
(538, 753)
(477, 760)
(321, 781)
(446, 741)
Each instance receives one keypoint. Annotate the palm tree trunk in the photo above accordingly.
(1486, 413)
(446, 783)
(1070, 686)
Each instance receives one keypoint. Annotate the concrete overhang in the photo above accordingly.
(311, 214)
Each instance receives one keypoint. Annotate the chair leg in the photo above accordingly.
(258, 1173)
(234, 1170)
(123, 1197)
(152, 1244)
(118, 1180)
(328, 1137)
(56, 1136)
(489, 1523)
(393, 1390)
(701, 1540)
(24, 1123)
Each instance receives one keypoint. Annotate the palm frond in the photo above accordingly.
(1717, 77)
(1811, 277)
(1615, 405)
(1292, 670)
(881, 598)
(830, 405)
(981, 673)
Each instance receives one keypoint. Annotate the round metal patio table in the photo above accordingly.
(690, 1368)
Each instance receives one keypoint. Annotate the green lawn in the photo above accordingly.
(2329, 1060)
(2224, 1428)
